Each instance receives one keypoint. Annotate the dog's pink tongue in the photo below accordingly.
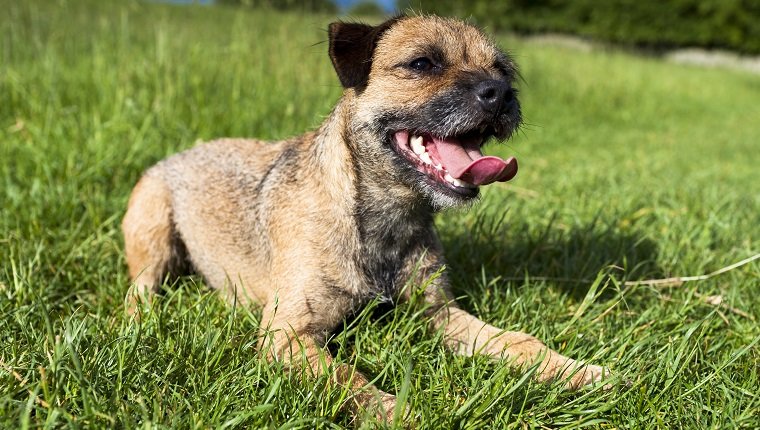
(463, 160)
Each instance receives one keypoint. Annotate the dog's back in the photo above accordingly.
(213, 200)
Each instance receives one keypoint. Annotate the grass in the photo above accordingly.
(631, 168)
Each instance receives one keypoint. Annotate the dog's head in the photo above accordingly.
(429, 92)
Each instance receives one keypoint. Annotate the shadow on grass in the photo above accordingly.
(569, 258)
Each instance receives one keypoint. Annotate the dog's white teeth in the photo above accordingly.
(458, 182)
(416, 143)
(425, 157)
(438, 166)
(417, 146)
(463, 184)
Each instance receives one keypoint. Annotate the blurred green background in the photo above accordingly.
(730, 24)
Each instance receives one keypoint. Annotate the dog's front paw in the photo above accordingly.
(581, 375)
(574, 374)
(384, 408)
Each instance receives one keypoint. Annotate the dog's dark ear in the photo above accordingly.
(351, 49)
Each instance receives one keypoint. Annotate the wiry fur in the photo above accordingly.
(313, 227)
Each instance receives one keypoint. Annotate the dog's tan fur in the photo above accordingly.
(313, 227)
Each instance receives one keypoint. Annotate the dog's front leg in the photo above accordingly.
(467, 335)
(295, 334)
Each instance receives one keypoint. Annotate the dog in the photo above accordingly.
(314, 227)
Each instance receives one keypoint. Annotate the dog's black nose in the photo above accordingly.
(492, 94)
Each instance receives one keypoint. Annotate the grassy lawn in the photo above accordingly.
(630, 169)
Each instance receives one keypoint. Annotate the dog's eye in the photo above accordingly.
(421, 64)
(502, 68)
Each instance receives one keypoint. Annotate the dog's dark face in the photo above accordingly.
(429, 92)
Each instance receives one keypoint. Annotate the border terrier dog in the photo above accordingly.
(314, 227)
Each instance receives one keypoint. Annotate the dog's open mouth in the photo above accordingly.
(454, 161)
